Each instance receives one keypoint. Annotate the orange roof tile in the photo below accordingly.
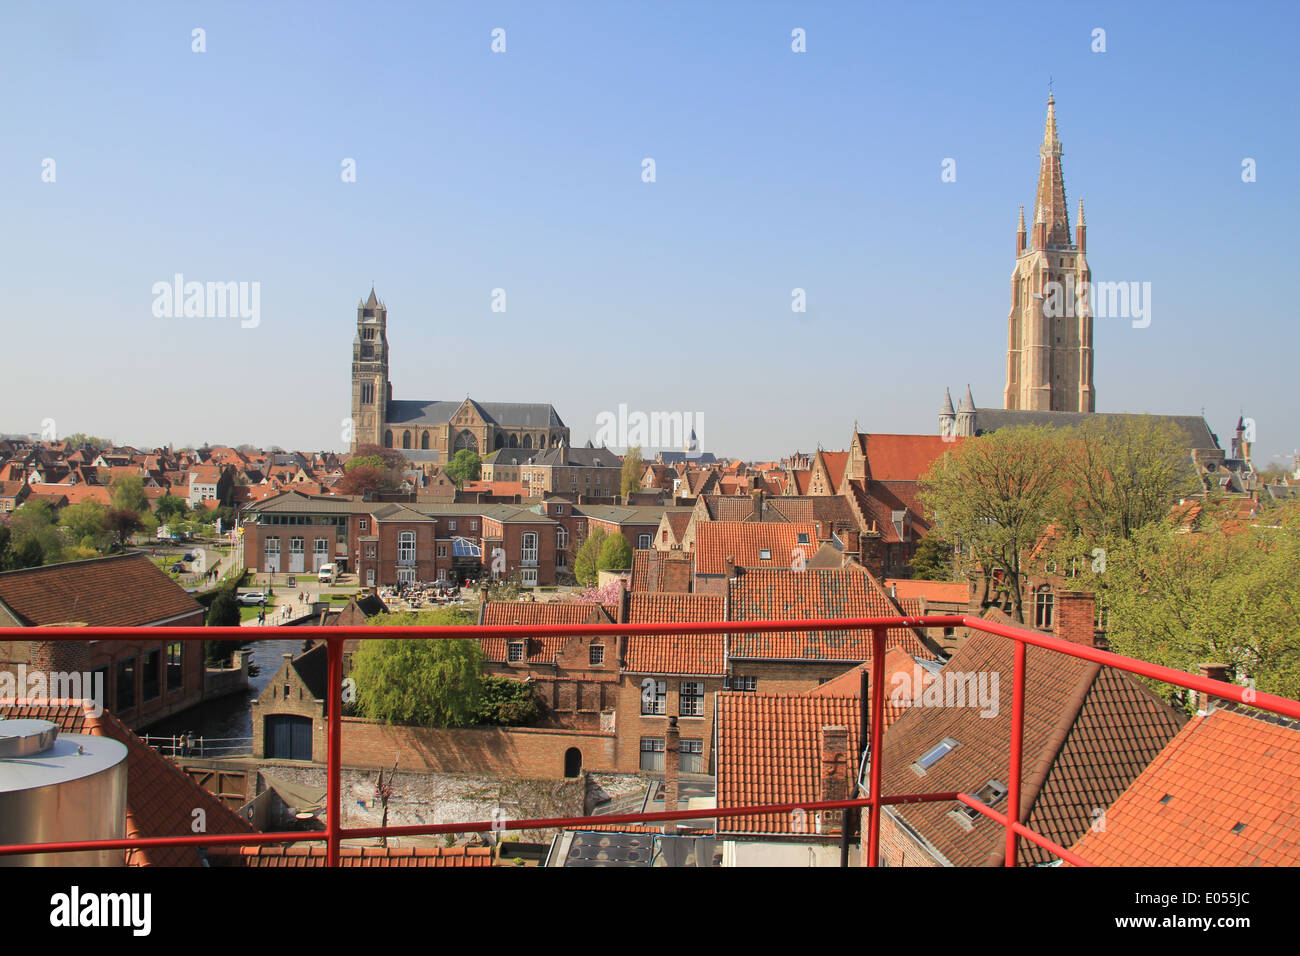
(539, 650)
(903, 457)
(759, 595)
(949, 592)
(294, 857)
(692, 654)
(715, 541)
(125, 590)
(769, 751)
(1231, 767)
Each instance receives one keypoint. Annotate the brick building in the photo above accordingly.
(144, 681)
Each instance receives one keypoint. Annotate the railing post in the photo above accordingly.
(877, 732)
(333, 787)
(1017, 740)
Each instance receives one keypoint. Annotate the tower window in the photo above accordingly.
(367, 333)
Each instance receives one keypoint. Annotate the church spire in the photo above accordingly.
(1050, 199)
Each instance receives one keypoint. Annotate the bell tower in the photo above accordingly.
(371, 389)
(1049, 330)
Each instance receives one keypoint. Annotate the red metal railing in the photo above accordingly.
(334, 637)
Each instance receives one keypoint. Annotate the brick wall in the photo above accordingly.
(632, 725)
(897, 846)
(789, 677)
(527, 752)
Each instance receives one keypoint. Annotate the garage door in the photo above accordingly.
(288, 737)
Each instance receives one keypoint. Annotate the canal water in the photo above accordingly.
(232, 716)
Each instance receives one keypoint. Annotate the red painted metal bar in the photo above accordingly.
(334, 770)
(335, 832)
(1017, 747)
(877, 735)
(1072, 858)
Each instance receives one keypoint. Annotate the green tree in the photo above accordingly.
(465, 466)
(431, 683)
(633, 464)
(170, 508)
(615, 554)
(36, 536)
(507, 702)
(1123, 474)
(933, 559)
(995, 496)
(585, 562)
(1220, 593)
(87, 523)
(126, 493)
(222, 612)
(123, 523)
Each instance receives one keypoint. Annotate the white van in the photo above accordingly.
(326, 573)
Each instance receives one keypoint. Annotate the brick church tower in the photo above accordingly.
(371, 389)
(1049, 330)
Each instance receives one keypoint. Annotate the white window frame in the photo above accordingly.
(690, 699)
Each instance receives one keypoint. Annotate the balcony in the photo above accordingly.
(871, 805)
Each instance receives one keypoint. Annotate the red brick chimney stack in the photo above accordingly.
(731, 567)
(1213, 672)
(1076, 617)
(672, 766)
(834, 783)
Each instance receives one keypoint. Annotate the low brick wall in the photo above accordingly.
(524, 752)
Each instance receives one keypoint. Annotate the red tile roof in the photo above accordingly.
(297, 857)
(649, 565)
(903, 457)
(539, 650)
(759, 595)
(125, 590)
(686, 654)
(1089, 731)
(769, 751)
(949, 592)
(1222, 770)
(160, 798)
(715, 541)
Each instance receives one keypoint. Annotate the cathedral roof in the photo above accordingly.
(501, 414)
(1195, 428)
(967, 402)
(947, 404)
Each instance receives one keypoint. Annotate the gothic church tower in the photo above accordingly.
(1049, 330)
(371, 389)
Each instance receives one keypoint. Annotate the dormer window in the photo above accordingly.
(516, 652)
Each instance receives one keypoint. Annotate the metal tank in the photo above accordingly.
(60, 787)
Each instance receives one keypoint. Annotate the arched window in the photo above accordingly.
(562, 537)
(406, 439)
(406, 546)
(388, 438)
(467, 440)
(500, 441)
(424, 441)
(528, 441)
(514, 441)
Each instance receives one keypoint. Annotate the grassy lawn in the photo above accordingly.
(247, 614)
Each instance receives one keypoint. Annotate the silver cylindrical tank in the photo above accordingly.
(56, 788)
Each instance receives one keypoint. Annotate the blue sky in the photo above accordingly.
(522, 171)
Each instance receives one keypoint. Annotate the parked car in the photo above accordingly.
(189, 556)
(178, 568)
(252, 598)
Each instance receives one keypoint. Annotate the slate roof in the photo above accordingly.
(1195, 428)
(681, 654)
(502, 414)
(760, 594)
(160, 798)
(1233, 766)
(124, 590)
(1089, 732)
(769, 751)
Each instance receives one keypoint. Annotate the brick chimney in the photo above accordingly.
(834, 781)
(1213, 672)
(675, 573)
(756, 497)
(1075, 617)
(731, 567)
(852, 543)
(672, 765)
(873, 553)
